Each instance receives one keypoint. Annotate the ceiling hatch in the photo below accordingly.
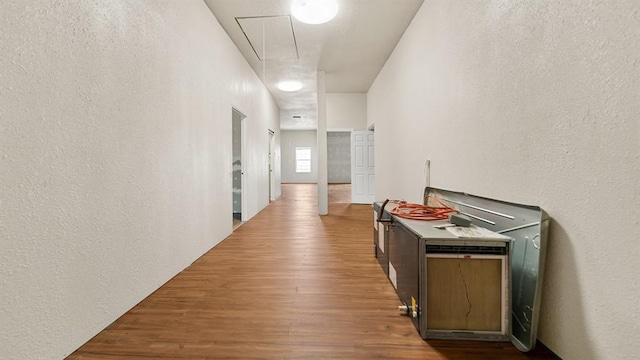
(270, 37)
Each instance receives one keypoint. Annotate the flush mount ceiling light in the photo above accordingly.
(314, 11)
(289, 85)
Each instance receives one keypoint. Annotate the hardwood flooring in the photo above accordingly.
(236, 224)
(288, 284)
(339, 193)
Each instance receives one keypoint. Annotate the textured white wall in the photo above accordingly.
(339, 157)
(298, 138)
(534, 102)
(347, 111)
(115, 150)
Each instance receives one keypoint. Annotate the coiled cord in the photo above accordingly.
(411, 211)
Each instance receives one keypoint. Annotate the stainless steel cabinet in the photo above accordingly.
(460, 287)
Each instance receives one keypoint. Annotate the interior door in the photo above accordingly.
(362, 167)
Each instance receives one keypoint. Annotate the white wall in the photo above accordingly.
(339, 157)
(298, 138)
(534, 102)
(347, 111)
(115, 150)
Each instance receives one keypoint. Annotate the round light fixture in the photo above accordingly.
(314, 11)
(289, 85)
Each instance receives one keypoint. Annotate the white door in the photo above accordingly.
(363, 184)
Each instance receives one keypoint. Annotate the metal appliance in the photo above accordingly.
(446, 283)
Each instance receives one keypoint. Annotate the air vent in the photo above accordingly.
(475, 250)
(297, 116)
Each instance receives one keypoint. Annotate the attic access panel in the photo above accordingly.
(270, 37)
(528, 227)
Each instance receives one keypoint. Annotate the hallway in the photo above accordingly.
(288, 284)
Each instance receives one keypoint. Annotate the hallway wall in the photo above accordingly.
(537, 103)
(346, 111)
(115, 150)
(298, 138)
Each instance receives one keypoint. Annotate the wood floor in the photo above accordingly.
(287, 284)
(339, 193)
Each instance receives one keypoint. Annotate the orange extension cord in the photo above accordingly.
(421, 212)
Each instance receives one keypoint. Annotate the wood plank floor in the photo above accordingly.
(287, 284)
(339, 193)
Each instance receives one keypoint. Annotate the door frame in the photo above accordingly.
(271, 165)
(243, 162)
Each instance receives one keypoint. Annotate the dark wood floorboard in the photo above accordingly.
(288, 284)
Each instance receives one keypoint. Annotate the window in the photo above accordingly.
(303, 159)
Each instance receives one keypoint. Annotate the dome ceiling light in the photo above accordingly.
(314, 11)
(289, 85)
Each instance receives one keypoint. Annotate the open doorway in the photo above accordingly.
(339, 166)
(237, 119)
(272, 149)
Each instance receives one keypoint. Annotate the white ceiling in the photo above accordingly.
(351, 48)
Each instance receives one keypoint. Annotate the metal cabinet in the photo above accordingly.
(404, 264)
(453, 287)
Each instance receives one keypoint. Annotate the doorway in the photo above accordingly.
(237, 119)
(272, 147)
(339, 166)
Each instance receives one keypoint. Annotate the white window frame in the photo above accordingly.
(303, 159)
